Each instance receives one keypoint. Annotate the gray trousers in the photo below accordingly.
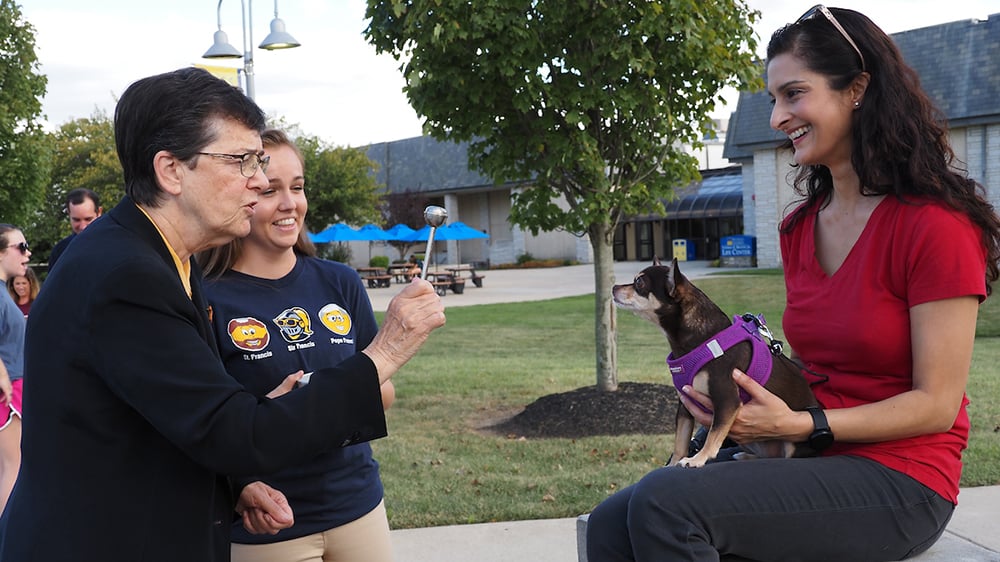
(838, 508)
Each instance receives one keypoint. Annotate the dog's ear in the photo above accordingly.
(656, 260)
(674, 279)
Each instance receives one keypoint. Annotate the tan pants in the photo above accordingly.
(363, 540)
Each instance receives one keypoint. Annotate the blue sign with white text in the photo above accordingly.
(738, 246)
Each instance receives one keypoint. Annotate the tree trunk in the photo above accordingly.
(605, 323)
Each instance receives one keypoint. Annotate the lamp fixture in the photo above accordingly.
(222, 49)
(278, 38)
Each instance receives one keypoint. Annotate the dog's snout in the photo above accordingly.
(621, 293)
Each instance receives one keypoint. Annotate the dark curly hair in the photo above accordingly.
(900, 138)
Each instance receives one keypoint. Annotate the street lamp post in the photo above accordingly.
(277, 39)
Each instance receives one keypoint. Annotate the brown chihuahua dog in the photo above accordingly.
(706, 347)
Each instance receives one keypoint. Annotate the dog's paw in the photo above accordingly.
(696, 461)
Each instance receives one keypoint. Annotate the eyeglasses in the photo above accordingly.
(821, 9)
(249, 162)
(23, 247)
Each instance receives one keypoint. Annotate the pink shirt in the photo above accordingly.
(854, 326)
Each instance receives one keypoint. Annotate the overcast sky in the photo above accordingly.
(333, 86)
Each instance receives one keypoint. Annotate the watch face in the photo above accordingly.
(821, 439)
(822, 436)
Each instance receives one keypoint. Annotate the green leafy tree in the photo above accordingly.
(25, 154)
(590, 101)
(340, 183)
(84, 157)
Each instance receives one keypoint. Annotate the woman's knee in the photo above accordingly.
(665, 489)
(660, 490)
(612, 511)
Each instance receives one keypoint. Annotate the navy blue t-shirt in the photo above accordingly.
(314, 317)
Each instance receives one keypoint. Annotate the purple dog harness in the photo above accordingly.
(745, 328)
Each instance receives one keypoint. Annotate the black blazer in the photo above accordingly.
(130, 419)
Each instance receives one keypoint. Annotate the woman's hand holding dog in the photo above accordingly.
(764, 417)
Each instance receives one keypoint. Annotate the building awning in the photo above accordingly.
(719, 194)
(703, 206)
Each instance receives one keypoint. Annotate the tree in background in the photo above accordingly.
(25, 154)
(340, 183)
(84, 156)
(590, 100)
(405, 207)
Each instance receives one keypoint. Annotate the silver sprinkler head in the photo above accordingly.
(435, 216)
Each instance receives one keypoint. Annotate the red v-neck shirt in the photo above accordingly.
(854, 326)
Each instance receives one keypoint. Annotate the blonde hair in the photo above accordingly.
(217, 261)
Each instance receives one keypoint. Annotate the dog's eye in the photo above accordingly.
(640, 283)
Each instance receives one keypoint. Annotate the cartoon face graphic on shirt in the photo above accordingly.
(336, 319)
(294, 324)
(248, 334)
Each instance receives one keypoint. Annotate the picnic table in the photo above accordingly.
(403, 272)
(458, 270)
(375, 276)
(444, 281)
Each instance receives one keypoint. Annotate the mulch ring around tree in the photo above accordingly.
(642, 408)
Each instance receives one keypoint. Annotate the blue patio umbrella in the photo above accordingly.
(461, 231)
(339, 232)
(372, 232)
(400, 232)
(453, 231)
(421, 235)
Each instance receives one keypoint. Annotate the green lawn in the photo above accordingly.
(492, 359)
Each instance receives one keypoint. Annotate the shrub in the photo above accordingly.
(379, 261)
(335, 251)
(524, 258)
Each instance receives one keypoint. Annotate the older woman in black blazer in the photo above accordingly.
(134, 422)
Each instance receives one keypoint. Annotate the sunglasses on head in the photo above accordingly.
(822, 10)
(23, 247)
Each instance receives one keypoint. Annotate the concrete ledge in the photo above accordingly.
(949, 548)
(581, 537)
(952, 548)
(971, 537)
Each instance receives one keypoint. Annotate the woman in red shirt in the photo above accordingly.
(886, 261)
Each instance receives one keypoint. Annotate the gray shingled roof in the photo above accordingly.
(958, 64)
(424, 165)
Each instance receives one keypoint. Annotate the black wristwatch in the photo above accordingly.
(821, 436)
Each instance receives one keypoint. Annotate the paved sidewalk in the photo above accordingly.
(518, 285)
(972, 536)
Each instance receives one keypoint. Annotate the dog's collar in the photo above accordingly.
(745, 328)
